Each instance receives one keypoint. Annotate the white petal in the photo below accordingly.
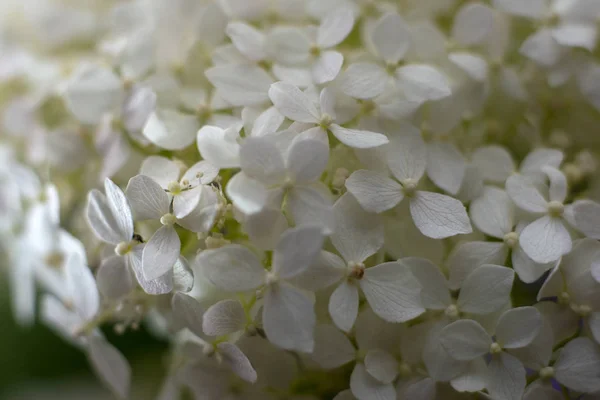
(439, 216)
(188, 311)
(120, 208)
(82, 287)
(486, 289)
(223, 318)
(289, 318)
(358, 139)
(248, 40)
(407, 154)
(381, 365)
(101, 220)
(528, 270)
(160, 253)
(587, 218)
(578, 366)
(237, 361)
(422, 82)
(307, 160)
(171, 129)
(202, 218)
(140, 103)
(525, 195)
(267, 122)
(529, 9)
(185, 202)
(539, 391)
(474, 67)
(311, 206)
(363, 80)
(92, 92)
(260, 159)
(297, 249)
(538, 158)
(289, 45)
(445, 166)
(357, 234)
(343, 305)
(473, 379)
(332, 348)
(493, 213)
(335, 27)
(374, 191)
(392, 292)
(325, 271)
(470, 255)
(113, 277)
(148, 199)
(391, 38)
(110, 365)
(518, 327)
(576, 35)
(327, 67)
(240, 85)
(162, 170)
(207, 172)
(183, 277)
(435, 294)
(494, 162)
(506, 377)
(472, 24)
(248, 195)
(265, 227)
(365, 387)
(542, 48)
(215, 146)
(232, 268)
(465, 340)
(546, 239)
(558, 184)
(59, 318)
(293, 103)
(161, 285)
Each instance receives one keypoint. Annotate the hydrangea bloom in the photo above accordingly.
(311, 199)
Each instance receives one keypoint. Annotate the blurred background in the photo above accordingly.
(35, 364)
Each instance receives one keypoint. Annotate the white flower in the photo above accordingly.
(493, 213)
(297, 106)
(272, 179)
(390, 288)
(391, 39)
(150, 201)
(516, 328)
(288, 316)
(546, 239)
(295, 47)
(436, 215)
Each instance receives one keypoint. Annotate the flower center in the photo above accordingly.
(495, 348)
(404, 370)
(123, 248)
(556, 208)
(55, 259)
(547, 373)
(511, 239)
(325, 121)
(174, 187)
(356, 270)
(409, 187)
(168, 219)
(451, 311)
(315, 50)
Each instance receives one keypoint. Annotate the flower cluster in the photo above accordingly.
(349, 199)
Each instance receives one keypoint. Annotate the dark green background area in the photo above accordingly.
(36, 364)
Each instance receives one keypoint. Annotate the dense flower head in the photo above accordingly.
(348, 199)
